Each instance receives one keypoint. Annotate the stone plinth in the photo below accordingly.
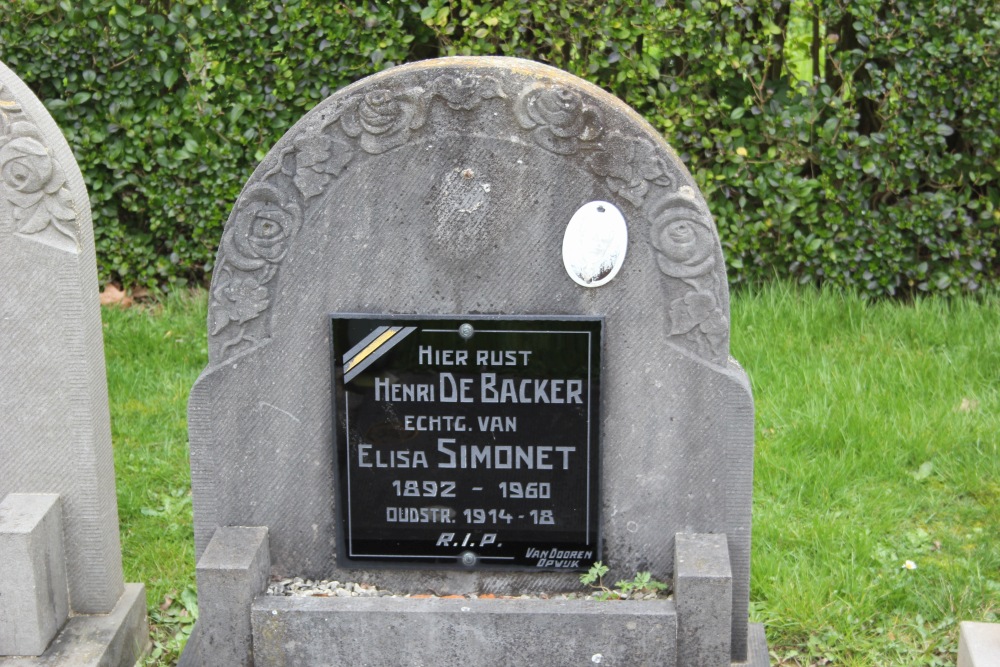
(978, 644)
(471, 633)
(703, 587)
(116, 639)
(32, 573)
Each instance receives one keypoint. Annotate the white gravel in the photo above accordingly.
(299, 587)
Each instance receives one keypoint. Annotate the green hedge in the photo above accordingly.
(853, 142)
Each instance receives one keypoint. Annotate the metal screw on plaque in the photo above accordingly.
(466, 331)
(468, 558)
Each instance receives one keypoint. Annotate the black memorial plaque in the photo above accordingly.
(469, 442)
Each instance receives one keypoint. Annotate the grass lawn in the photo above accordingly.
(154, 355)
(876, 490)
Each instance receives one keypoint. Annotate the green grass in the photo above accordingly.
(877, 443)
(154, 355)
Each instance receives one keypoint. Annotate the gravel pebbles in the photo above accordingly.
(299, 587)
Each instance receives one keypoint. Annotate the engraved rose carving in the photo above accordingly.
(34, 183)
(685, 244)
(385, 120)
(466, 91)
(316, 160)
(253, 245)
(262, 229)
(684, 240)
(629, 165)
(559, 118)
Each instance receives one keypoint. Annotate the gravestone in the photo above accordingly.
(60, 556)
(468, 334)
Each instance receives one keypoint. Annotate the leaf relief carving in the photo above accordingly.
(315, 161)
(466, 91)
(629, 165)
(253, 245)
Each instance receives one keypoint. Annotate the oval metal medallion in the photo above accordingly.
(595, 243)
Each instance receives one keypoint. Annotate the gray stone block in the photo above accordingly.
(463, 633)
(33, 593)
(53, 391)
(117, 639)
(757, 653)
(703, 590)
(978, 644)
(231, 572)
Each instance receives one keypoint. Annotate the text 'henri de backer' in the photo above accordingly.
(486, 388)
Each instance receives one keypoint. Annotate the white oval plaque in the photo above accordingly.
(595, 243)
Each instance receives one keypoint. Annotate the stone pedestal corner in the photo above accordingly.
(117, 639)
(34, 600)
(978, 644)
(231, 572)
(703, 591)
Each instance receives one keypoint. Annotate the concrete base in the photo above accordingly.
(471, 633)
(443, 632)
(117, 639)
(978, 644)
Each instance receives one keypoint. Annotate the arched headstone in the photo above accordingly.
(447, 188)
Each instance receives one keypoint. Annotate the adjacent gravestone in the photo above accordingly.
(59, 547)
(468, 333)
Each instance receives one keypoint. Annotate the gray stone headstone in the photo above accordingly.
(53, 390)
(55, 434)
(446, 187)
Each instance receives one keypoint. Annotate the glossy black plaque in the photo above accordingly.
(469, 442)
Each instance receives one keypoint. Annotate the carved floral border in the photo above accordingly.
(32, 181)
(557, 118)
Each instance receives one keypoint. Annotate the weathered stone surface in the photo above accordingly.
(978, 644)
(231, 573)
(445, 187)
(116, 639)
(33, 593)
(757, 653)
(53, 393)
(703, 587)
(54, 421)
(463, 633)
